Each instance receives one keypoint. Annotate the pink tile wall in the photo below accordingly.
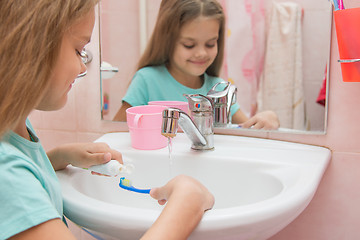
(334, 213)
(119, 47)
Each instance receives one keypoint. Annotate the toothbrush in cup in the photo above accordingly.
(341, 5)
(335, 4)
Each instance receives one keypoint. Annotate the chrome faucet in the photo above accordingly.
(199, 127)
(223, 100)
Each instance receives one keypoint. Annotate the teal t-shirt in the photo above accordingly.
(30, 192)
(155, 83)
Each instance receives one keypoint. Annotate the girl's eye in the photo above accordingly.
(188, 46)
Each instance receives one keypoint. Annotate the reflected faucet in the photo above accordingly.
(199, 127)
(223, 100)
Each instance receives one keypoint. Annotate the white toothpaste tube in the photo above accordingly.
(112, 168)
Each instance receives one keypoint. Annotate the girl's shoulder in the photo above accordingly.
(152, 70)
(15, 150)
(152, 75)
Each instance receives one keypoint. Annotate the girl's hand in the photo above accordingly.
(183, 185)
(82, 155)
(266, 120)
(187, 200)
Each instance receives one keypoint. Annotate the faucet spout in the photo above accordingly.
(173, 117)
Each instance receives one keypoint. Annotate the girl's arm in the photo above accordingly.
(187, 200)
(266, 120)
(53, 229)
(121, 114)
(239, 117)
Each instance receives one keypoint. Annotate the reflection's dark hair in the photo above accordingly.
(173, 14)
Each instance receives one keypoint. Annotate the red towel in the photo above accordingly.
(322, 94)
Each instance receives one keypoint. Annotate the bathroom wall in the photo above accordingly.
(334, 212)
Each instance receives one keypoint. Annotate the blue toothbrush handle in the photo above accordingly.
(132, 188)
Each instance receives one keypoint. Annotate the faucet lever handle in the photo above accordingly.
(232, 97)
(216, 93)
(223, 99)
(199, 103)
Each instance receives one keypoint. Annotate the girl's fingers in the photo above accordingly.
(159, 194)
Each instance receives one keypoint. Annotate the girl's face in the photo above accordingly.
(196, 48)
(69, 64)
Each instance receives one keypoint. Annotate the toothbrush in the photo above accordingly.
(336, 4)
(126, 184)
(341, 5)
(112, 168)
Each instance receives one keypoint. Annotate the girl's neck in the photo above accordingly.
(189, 81)
(21, 130)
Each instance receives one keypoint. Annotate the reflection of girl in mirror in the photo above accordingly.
(185, 55)
(40, 59)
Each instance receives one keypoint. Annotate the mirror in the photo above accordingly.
(252, 52)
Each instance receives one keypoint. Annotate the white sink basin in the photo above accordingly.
(259, 185)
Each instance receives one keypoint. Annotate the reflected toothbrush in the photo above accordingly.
(341, 5)
(126, 184)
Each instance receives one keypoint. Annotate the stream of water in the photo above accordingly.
(170, 156)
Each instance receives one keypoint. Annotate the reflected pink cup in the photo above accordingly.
(177, 104)
(144, 124)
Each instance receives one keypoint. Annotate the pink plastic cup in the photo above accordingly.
(177, 104)
(144, 124)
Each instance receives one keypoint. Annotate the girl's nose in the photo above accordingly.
(201, 52)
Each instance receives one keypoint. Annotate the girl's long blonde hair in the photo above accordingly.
(173, 14)
(31, 32)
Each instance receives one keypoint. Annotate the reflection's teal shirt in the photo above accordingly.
(155, 83)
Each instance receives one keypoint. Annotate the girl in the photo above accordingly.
(40, 47)
(185, 55)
